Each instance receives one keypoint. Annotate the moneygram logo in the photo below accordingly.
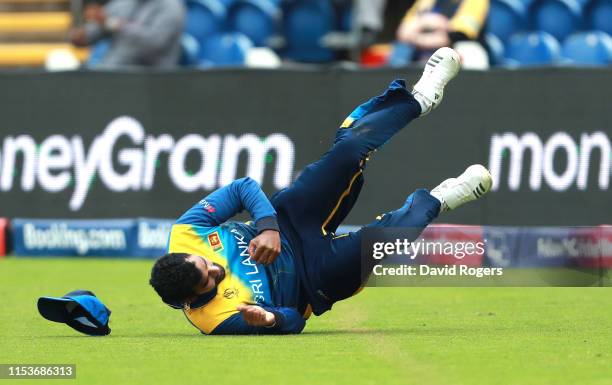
(593, 149)
(59, 162)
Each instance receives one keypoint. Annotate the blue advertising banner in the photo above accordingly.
(548, 246)
(49, 237)
(142, 237)
(494, 246)
(151, 237)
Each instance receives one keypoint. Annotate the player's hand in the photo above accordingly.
(256, 315)
(265, 247)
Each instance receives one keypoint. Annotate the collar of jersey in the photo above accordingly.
(200, 300)
(203, 299)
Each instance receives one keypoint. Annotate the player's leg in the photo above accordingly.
(340, 273)
(324, 187)
(442, 67)
(326, 190)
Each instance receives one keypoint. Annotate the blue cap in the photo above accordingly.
(79, 309)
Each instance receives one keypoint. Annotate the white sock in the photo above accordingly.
(424, 103)
(438, 196)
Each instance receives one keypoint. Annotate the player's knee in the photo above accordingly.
(341, 135)
(352, 149)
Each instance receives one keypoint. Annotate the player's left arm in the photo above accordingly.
(254, 319)
(224, 203)
(230, 200)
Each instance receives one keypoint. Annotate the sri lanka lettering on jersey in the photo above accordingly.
(256, 283)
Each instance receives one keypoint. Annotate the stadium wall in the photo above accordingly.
(107, 145)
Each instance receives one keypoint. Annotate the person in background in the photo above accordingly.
(369, 19)
(140, 32)
(431, 24)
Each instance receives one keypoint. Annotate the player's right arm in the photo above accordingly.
(254, 319)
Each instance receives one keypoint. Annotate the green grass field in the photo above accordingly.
(423, 336)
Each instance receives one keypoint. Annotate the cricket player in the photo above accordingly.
(268, 276)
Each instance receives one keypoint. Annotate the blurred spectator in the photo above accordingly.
(431, 24)
(140, 32)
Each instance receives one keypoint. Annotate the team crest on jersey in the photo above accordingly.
(230, 292)
(215, 242)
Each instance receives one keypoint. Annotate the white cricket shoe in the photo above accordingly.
(469, 186)
(441, 67)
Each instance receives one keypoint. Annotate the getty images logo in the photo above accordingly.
(59, 162)
(580, 157)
